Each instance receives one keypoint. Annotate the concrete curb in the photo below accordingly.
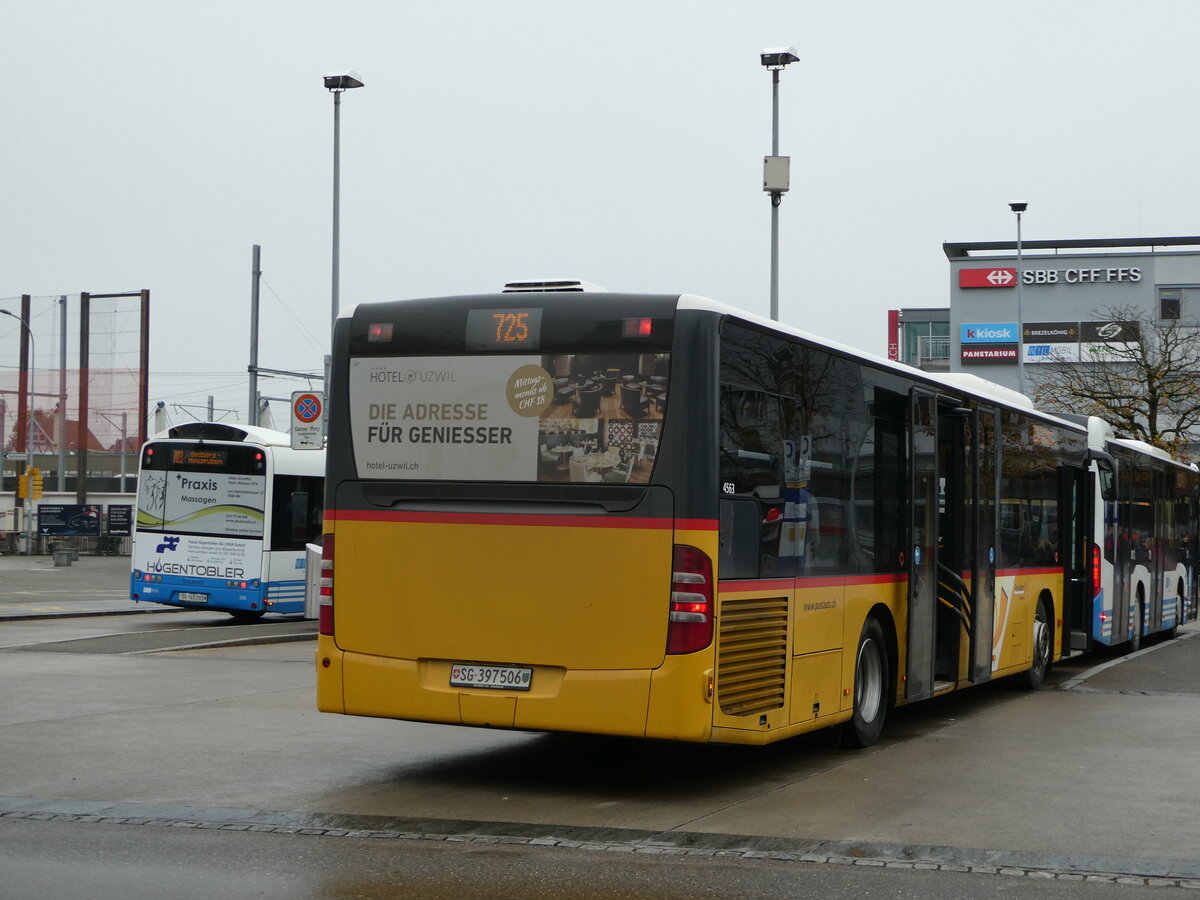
(1037, 866)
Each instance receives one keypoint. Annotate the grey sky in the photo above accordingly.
(151, 144)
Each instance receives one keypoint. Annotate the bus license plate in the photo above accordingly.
(502, 678)
(185, 597)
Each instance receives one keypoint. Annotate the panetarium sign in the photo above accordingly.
(989, 353)
(1007, 277)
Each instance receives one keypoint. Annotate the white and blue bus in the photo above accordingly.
(224, 515)
(1143, 512)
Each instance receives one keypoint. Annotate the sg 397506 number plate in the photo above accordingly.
(501, 678)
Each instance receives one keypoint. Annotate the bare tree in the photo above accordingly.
(1147, 388)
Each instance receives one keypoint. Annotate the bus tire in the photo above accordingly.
(1180, 606)
(1135, 642)
(870, 687)
(1035, 676)
(247, 615)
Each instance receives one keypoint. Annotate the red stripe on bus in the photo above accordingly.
(696, 524)
(546, 521)
(786, 584)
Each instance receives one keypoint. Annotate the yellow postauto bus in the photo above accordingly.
(659, 516)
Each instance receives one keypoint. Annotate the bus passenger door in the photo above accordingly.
(1160, 538)
(983, 546)
(923, 543)
(1075, 551)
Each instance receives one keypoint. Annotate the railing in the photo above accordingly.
(933, 349)
(87, 545)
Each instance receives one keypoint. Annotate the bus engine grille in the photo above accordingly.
(752, 655)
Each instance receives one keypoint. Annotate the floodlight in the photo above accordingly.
(342, 81)
(778, 57)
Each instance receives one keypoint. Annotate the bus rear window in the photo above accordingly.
(561, 417)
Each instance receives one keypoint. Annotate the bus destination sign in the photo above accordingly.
(504, 329)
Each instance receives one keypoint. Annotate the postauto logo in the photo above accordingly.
(990, 333)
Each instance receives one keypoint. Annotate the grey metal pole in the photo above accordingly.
(61, 418)
(1020, 315)
(124, 439)
(251, 411)
(776, 198)
(337, 160)
(29, 524)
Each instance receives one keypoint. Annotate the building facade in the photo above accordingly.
(1055, 302)
(920, 338)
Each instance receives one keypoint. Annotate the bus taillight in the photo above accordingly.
(325, 608)
(1096, 557)
(690, 620)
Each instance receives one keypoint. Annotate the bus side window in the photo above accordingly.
(740, 542)
(300, 513)
(1108, 479)
(751, 470)
(297, 511)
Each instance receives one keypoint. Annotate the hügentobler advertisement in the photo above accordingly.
(200, 524)
(193, 556)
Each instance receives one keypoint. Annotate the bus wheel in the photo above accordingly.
(248, 615)
(1135, 642)
(1035, 676)
(1180, 607)
(870, 688)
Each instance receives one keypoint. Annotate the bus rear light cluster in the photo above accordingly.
(1096, 558)
(139, 575)
(242, 585)
(325, 609)
(690, 620)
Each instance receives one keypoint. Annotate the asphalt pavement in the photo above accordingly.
(1096, 774)
(34, 587)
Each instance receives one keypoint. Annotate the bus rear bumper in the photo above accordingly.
(604, 702)
(206, 596)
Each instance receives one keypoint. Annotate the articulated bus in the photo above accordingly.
(1142, 508)
(224, 516)
(662, 517)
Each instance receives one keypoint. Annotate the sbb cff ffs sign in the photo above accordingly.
(987, 278)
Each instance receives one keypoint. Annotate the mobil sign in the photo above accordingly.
(988, 333)
(987, 278)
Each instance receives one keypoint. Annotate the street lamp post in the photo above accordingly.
(28, 434)
(775, 167)
(1018, 208)
(336, 83)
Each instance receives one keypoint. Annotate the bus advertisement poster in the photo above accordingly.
(198, 556)
(120, 520)
(507, 418)
(56, 520)
(210, 503)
